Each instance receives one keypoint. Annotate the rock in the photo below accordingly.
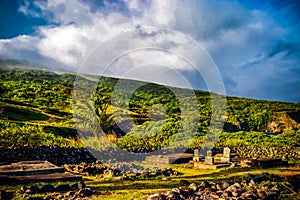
(186, 192)
(204, 184)
(236, 193)
(47, 188)
(193, 186)
(23, 188)
(248, 195)
(173, 196)
(219, 193)
(69, 194)
(225, 185)
(237, 185)
(60, 196)
(176, 190)
(86, 192)
(244, 183)
(218, 187)
(63, 187)
(254, 181)
(232, 188)
(207, 190)
(261, 193)
(214, 195)
(157, 197)
(275, 188)
(227, 194)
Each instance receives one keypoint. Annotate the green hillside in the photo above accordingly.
(36, 108)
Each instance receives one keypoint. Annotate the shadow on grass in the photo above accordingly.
(135, 185)
(220, 174)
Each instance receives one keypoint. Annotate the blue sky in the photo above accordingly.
(254, 44)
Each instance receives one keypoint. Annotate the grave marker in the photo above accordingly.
(226, 155)
(209, 159)
(196, 155)
(209, 153)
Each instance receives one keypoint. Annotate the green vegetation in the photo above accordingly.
(41, 102)
(30, 135)
(36, 108)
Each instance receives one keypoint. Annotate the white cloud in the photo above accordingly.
(238, 39)
(12, 47)
(64, 44)
(162, 13)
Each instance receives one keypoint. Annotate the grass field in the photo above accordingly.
(141, 189)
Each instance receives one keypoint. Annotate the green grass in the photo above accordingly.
(141, 189)
(137, 189)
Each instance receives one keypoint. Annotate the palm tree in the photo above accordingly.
(93, 115)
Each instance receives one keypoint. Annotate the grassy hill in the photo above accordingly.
(36, 108)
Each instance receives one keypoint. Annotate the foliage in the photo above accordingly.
(44, 100)
(13, 134)
(259, 139)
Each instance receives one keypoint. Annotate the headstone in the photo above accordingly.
(226, 155)
(209, 153)
(196, 155)
(209, 159)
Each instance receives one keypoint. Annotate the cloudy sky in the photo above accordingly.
(254, 44)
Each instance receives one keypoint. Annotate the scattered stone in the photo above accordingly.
(261, 193)
(193, 186)
(69, 194)
(255, 181)
(86, 192)
(173, 196)
(264, 188)
(225, 184)
(236, 193)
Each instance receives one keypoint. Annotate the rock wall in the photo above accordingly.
(54, 154)
(287, 153)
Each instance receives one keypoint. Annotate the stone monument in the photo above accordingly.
(226, 155)
(196, 155)
(209, 159)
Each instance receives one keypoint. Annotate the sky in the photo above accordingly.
(255, 45)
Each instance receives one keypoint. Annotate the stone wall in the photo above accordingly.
(54, 154)
(287, 153)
